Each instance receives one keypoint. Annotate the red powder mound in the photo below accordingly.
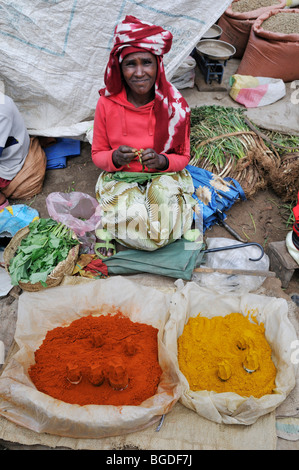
(101, 360)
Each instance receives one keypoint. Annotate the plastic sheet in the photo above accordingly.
(67, 45)
(15, 217)
(231, 259)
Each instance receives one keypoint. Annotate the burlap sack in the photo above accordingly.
(29, 181)
(269, 54)
(237, 26)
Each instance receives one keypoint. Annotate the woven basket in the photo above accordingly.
(63, 268)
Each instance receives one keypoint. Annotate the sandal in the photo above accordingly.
(5, 204)
(106, 242)
(193, 235)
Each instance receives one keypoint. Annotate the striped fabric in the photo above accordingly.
(171, 109)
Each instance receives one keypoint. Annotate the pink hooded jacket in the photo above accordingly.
(118, 122)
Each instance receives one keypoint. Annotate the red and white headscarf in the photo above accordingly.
(171, 109)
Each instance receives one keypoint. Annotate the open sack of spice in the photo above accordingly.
(91, 362)
(233, 353)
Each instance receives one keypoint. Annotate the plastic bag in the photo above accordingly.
(232, 259)
(15, 217)
(39, 312)
(184, 77)
(78, 211)
(231, 408)
(253, 92)
(292, 239)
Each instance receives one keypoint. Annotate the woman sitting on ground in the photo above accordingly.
(142, 142)
(22, 159)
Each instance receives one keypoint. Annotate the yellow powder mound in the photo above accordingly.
(227, 354)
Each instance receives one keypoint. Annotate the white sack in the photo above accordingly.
(53, 53)
(184, 76)
(231, 408)
(42, 311)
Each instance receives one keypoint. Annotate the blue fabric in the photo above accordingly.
(11, 141)
(57, 153)
(15, 217)
(220, 202)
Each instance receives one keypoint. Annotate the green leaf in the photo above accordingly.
(54, 242)
(46, 244)
(39, 277)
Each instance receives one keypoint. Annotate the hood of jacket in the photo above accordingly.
(126, 108)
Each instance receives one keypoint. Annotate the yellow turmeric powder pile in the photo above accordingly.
(227, 354)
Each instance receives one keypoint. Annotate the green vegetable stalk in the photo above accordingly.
(47, 244)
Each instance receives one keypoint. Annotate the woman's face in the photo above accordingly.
(139, 71)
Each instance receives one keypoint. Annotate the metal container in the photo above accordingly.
(215, 49)
(214, 32)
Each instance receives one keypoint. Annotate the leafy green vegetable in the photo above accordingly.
(47, 244)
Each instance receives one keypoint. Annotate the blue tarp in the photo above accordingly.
(220, 200)
(57, 153)
(15, 217)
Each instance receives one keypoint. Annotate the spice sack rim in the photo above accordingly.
(39, 312)
(230, 407)
(253, 14)
(259, 30)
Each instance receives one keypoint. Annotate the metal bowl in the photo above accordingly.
(213, 33)
(215, 49)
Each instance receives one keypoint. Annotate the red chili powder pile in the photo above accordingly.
(102, 360)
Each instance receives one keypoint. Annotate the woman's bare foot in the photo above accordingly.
(103, 250)
(105, 246)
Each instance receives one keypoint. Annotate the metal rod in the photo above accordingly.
(160, 423)
(231, 231)
(232, 247)
(233, 272)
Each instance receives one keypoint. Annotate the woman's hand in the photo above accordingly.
(123, 155)
(153, 160)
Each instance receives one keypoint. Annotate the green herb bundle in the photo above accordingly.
(219, 138)
(47, 244)
(225, 142)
